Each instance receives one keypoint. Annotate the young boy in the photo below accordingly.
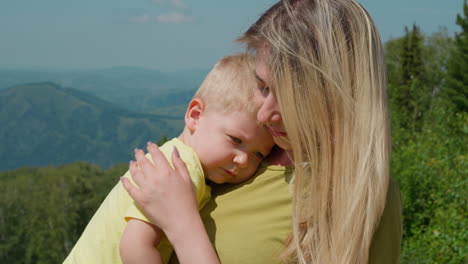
(221, 142)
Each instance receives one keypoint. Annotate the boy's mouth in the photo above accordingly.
(229, 173)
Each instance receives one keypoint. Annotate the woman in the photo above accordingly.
(322, 94)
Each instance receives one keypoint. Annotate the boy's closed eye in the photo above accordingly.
(235, 139)
(259, 155)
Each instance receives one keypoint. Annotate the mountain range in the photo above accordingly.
(136, 89)
(45, 123)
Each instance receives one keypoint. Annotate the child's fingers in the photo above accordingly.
(158, 157)
(132, 190)
(179, 165)
(136, 174)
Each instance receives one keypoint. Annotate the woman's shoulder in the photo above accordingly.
(248, 222)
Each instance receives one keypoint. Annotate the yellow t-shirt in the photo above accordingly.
(100, 240)
(248, 223)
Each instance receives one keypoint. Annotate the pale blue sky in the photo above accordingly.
(167, 35)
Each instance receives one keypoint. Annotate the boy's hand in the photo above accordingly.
(166, 195)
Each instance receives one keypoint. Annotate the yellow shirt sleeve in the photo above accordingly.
(202, 191)
(99, 242)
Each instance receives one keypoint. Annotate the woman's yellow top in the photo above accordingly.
(248, 223)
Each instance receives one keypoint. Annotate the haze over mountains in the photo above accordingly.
(137, 89)
(108, 114)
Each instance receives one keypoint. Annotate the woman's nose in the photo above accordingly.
(269, 111)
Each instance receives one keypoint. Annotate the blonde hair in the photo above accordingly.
(229, 86)
(328, 75)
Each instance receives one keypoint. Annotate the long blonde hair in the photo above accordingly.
(326, 61)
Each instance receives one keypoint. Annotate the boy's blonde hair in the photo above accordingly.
(230, 85)
(328, 75)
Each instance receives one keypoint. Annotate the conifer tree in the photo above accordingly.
(412, 62)
(411, 96)
(457, 81)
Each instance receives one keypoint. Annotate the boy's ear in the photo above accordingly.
(194, 111)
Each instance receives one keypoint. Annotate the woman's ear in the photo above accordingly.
(194, 111)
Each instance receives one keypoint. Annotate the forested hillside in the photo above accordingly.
(44, 210)
(45, 124)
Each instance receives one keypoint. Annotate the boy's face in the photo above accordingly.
(230, 146)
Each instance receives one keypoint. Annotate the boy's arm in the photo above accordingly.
(139, 241)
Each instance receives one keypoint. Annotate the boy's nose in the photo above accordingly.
(240, 159)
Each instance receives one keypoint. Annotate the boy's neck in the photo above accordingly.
(183, 136)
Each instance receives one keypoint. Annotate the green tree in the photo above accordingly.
(162, 140)
(416, 70)
(432, 169)
(429, 157)
(414, 95)
(43, 211)
(436, 54)
(457, 83)
(412, 66)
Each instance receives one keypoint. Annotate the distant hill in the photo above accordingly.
(44, 123)
(136, 89)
